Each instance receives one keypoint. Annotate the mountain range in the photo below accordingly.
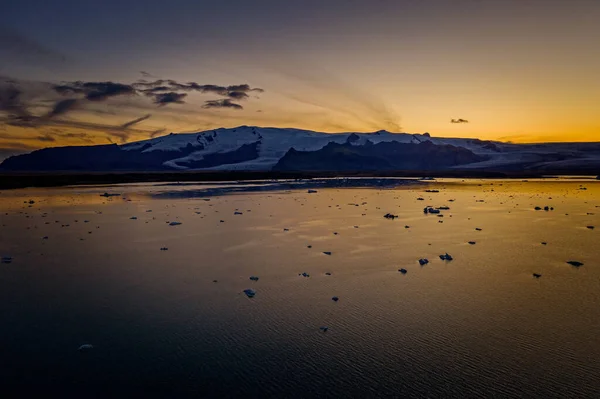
(248, 148)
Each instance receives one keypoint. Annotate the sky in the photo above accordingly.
(81, 72)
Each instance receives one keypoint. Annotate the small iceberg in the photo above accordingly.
(250, 293)
(575, 263)
(446, 256)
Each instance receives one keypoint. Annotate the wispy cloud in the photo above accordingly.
(225, 103)
(135, 121)
(20, 108)
(16, 45)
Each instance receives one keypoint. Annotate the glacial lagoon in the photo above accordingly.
(146, 289)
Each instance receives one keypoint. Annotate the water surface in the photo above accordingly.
(89, 269)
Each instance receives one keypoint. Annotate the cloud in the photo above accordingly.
(62, 107)
(169, 98)
(135, 121)
(225, 103)
(11, 101)
(237, 95)
(29, 104)
(157, 132)
(45, 137)
(459, 120)
(15, 45)
(235, 92)
(96, 91)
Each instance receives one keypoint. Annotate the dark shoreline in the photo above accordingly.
(52, 179)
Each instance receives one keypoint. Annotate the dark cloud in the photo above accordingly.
(225, 103)
(11, 102)
(96, 91)
(135, 121)
(169, 98)
(459, 120)
(62, 107)
(235, 92)
(237, 95)
(21, 101)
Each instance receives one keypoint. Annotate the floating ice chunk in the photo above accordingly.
(446, 256)
(575, 263)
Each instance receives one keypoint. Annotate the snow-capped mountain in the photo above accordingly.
(258, 148)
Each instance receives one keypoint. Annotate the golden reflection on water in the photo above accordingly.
(481, 321)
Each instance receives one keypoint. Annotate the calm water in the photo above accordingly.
(478, 326)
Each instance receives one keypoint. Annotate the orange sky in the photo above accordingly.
(521, 71)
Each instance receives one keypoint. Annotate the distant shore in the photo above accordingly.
(28, 179)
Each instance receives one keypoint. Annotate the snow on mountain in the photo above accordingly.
(273, 144)
(263, 148)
